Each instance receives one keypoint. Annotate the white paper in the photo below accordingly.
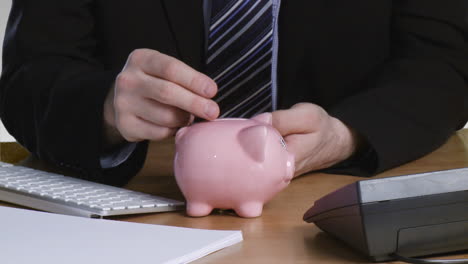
(36, 237)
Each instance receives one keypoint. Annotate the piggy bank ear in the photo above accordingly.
(265, 118)
(180, 133)
(253, 140)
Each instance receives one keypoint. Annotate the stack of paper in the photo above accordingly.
(35, 237)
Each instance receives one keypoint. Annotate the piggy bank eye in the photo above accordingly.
(283, 143)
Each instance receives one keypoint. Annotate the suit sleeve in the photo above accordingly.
(419, 97)
(53, 86)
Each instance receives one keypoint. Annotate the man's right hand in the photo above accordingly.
(154, 95)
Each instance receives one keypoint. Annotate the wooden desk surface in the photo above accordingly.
(279, 235)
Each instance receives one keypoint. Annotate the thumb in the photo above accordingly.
(281, 120)
(302, 118)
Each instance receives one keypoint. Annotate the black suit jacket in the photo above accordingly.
(395, 71)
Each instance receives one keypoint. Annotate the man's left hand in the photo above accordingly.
(317, 139)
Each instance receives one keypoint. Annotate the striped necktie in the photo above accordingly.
(239, 56)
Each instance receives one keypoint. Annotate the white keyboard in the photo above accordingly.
(66, 195)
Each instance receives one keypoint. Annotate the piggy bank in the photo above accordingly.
(231, 163)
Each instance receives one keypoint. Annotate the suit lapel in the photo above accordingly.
(186, 21)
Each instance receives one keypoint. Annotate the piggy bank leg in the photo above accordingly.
(198, 209)
(250, 209)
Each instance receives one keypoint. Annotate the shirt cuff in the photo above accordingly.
(117, 156)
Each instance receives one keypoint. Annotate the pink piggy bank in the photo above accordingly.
(231, 163)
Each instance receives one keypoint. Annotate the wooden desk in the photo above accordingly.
(279, 235)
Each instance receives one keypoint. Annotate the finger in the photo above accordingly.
(161, 114)
(155, 133)
(171, 69)
(296, 143)
(135, 129)
(299, 119)
(170, 93)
